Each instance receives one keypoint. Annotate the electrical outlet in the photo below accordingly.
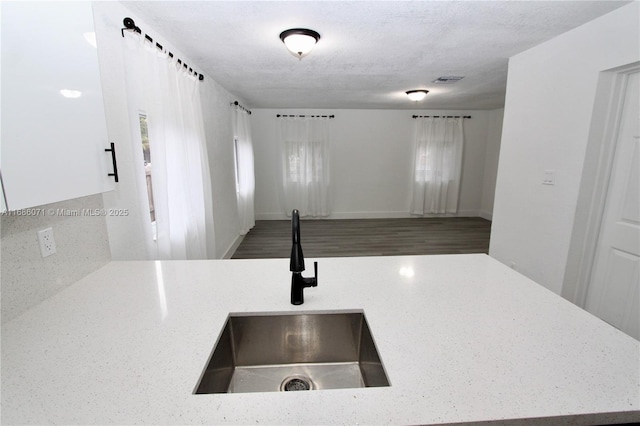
(549, 177)
(47, 243)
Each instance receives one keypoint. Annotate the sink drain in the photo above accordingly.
(296, 383)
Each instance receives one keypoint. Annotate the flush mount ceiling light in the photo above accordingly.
(417, 95)
(299, 41)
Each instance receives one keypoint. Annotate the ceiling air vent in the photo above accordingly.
(448, 79)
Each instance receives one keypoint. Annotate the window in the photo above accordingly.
(438, 165)
(305, 165)
(305, 162)
(146, 152)
(429, 165)
(422, 172)
(237, 169)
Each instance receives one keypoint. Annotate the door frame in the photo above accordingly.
(594, 184)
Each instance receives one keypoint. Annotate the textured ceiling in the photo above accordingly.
(370, 52)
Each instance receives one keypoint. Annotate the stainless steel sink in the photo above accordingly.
(286, 352)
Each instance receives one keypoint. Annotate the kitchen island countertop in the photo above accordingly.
(462, 338)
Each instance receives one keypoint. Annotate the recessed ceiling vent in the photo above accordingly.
(448, 79)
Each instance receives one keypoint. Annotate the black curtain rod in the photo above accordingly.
(441, 116)
(241, 107)
(312, 116)
(130, 25)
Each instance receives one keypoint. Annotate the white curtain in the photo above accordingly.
(169, 97)
(245, 177)
(305, 143)
(437, 166)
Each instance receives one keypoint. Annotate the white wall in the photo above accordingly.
(125, 233)
(219, 133)
(548, 112)
(371, 161)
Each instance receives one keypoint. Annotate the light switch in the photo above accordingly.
(549, 177)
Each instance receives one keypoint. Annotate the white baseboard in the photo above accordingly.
(378, 215)
(486, 214)
(460, 213)
(233, 247)
(271, 216)
(340, 215)
(369, 215)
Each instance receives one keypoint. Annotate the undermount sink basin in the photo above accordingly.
(284, 352)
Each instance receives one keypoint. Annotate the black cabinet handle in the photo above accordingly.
(113, 158)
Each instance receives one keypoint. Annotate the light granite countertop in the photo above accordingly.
(462, 338)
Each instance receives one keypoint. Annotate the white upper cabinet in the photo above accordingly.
(53, 130)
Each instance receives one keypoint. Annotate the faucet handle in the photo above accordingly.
(314, 282)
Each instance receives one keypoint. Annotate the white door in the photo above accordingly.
(614, 290)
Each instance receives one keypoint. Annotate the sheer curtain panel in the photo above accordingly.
(437, 166)
(305, 165)
(245, 178)
(169, 97)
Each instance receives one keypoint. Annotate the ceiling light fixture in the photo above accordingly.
(417, 95)
(299, 41)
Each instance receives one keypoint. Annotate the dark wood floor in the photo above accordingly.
(368, 237)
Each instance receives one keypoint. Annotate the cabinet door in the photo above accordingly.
(53, 122)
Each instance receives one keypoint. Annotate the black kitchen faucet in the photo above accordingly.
(298, 282)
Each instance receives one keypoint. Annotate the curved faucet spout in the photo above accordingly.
(298, 282)
(297, 258)
(295, 226)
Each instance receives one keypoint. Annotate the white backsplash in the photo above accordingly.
(82, 246)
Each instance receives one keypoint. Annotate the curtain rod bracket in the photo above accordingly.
(129, 25)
